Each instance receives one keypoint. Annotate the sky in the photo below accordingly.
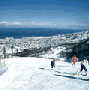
(62, 14)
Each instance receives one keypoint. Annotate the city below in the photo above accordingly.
(11, 46)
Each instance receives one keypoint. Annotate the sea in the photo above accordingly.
(33, 32)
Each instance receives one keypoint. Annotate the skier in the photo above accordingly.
(74, 60)
(83, 67)
(53, 63)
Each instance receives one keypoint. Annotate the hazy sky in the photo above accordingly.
(45, 13)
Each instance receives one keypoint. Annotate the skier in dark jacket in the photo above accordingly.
(53, 63)
(83, 67)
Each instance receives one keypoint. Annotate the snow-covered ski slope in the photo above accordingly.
(54, 53)
(35, 74)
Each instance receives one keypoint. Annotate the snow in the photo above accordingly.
(35, 74)
(54, 53)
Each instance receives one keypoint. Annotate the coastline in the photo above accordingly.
(35, 32)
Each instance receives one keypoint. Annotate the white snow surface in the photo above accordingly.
(54, 53)
(35, 74)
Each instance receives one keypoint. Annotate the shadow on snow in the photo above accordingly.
(66, 73)
(2, 71)
(70, 77)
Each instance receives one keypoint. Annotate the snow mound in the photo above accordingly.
(3, 67)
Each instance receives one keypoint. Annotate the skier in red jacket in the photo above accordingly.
(74, 59)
